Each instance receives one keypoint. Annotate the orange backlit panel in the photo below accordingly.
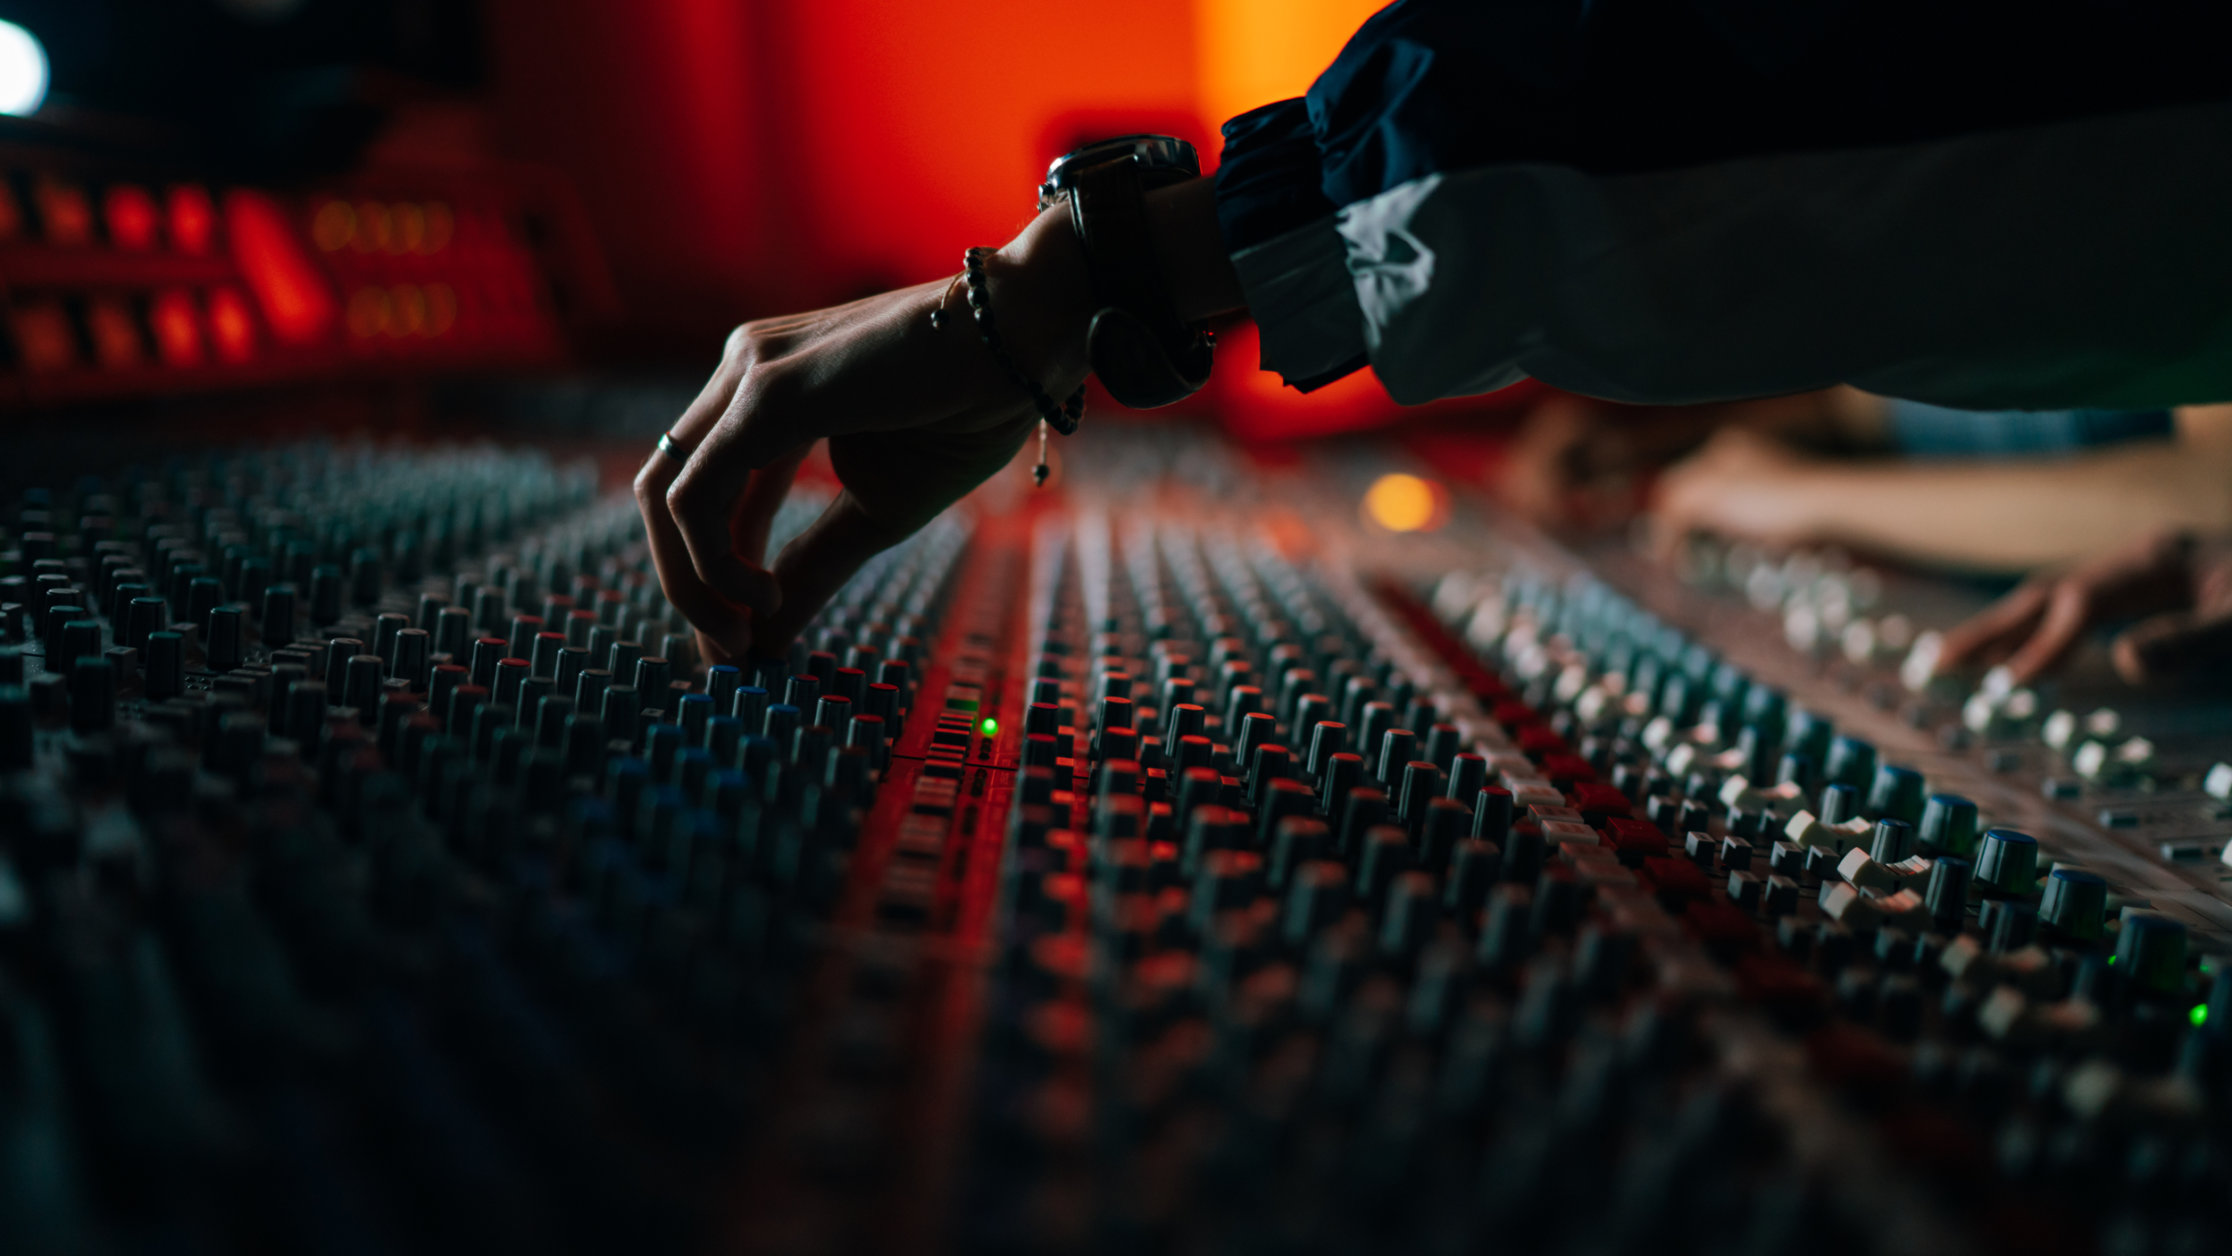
(43, 340)
(116, 336)
(177, 323)
(232, 325)
(64, 216)
(333, 226)
(1256, 51)
(133, 218)
(193, 219)
(294, 297)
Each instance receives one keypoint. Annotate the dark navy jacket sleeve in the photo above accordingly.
(1982, 205)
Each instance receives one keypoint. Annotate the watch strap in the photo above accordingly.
(1141, 351)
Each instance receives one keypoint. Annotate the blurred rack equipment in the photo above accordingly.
(122, 277)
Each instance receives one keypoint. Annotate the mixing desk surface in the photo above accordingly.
(1172, 861)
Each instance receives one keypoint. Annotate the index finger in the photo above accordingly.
(1993, 627)
(723, 623)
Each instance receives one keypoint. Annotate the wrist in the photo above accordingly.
(1040, 275)
(1189, 252)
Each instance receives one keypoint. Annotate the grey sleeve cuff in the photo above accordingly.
(1304, 304)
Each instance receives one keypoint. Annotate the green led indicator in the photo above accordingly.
(2199, 1015)
(989, 727)
(2111, 959)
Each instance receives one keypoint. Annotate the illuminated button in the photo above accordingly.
(177, 324)
(334, 226)
(289, 288)
(232, 326)
(1404, 503)
(65, 218)
(116, 335)
(193, 218)
(44, 342)
(133, 218)
(373, 227)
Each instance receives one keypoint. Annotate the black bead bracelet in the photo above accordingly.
(1062, 418)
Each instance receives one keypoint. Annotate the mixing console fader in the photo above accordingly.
(1171, 862)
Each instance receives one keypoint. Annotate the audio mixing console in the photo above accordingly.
(1175, 863)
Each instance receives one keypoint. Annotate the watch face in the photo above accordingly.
(1162, 159)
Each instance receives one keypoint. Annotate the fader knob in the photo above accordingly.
(2007, 862)
(1947, 893)
(1894, 841)
(1896, 794)
(1851, 762)
(223, 638)
(361, 684)
(325, 594)
(410, 661)
(1327, 738)
(1948, 825)
(1396, 749)
(2075, 903)
(165, 657)
(1492, 811)
(2151, 953)
(146, 615)
(1839, 803)
(16, 726)
(92, 694)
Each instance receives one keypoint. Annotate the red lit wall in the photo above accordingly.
(928, 125)
(653, 110)
(748, 157)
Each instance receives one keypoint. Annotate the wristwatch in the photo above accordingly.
(1142, 352)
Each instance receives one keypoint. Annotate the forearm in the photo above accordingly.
(1190, 252)
(2018, 516)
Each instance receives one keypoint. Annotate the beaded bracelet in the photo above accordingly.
(1063, 418)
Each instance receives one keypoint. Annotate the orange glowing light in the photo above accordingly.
(409, 304)
(1405, 503)
(63, 211)
(178, 338)
(116, 336)
(43, 339)
(232, 327)
(132, 217)
(441, 308)
(334, 226)
(409, 235)
(440, 226)
(297, 305)
(368, 312)
(193, 219)
(372, 227)
(1252, 52)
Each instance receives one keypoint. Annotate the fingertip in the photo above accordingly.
(755, 589)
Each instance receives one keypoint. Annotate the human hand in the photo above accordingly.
(1741, 485)
(1567, 467)
(915, 417)
(2182, 585)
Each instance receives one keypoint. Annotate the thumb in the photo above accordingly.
(2176, 644)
